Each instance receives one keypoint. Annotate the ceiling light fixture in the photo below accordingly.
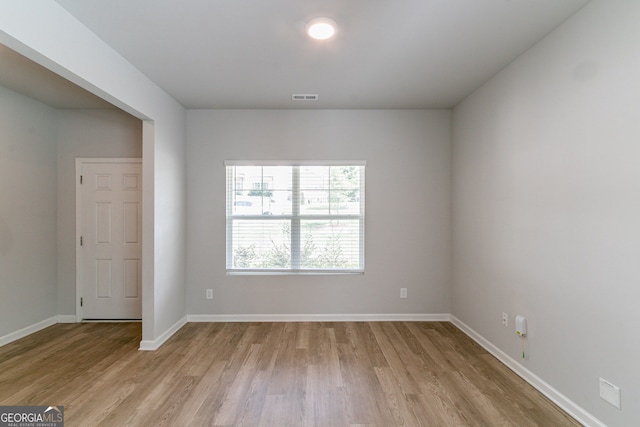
(321, 28)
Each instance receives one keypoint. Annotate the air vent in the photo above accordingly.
(304, 97)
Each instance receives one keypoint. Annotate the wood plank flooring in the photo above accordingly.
(271, 374)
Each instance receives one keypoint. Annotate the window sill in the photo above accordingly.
(293, 272)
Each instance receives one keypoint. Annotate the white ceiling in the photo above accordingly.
(387, 54)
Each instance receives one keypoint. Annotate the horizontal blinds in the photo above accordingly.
(295, 218)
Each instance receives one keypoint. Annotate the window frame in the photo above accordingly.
(295, 218)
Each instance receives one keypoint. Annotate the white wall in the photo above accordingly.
(27, 212)
(546, 207)
(407, 209)
(46, 33)
(84, 133)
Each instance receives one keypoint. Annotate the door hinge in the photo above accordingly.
(81, 301)
(80, 179)
(80, 240)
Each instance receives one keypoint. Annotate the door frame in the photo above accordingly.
(80, 162)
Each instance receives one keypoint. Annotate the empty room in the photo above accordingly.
(320, 213)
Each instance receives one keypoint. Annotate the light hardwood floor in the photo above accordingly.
(271, 374)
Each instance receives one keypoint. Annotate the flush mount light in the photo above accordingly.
(321, 28)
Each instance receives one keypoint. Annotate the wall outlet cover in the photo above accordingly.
(610, 393)
(505, 319)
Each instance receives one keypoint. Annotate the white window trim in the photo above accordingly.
(295, 216)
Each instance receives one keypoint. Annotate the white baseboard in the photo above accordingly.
(14, 336)
(411, 317)
(67, 318)
(152, 345)
(538, 383)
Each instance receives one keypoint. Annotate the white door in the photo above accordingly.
(110, 261)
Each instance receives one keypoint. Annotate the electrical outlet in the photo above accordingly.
(209, 293)
(505, 320)
(403, 292)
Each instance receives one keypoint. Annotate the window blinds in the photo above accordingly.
(299, 217)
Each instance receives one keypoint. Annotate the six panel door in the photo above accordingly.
(111, 240)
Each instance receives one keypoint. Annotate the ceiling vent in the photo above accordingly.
(304, 97)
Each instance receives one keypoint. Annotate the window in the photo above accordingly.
(300, 218)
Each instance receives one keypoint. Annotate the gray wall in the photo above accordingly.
(27, 212)
(546, 207)
(49, 35)
(38, 146)
(407, 209)
(84, 133)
